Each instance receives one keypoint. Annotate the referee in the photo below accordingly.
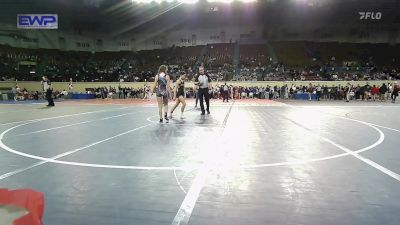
(48, 89)
(204, 83)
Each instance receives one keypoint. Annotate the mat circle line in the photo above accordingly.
(185, 168)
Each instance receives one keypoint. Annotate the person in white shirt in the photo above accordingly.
(286, 92)
(204, 83)
(70, 85)
(348, 89)
(64, 93)
(146, 92)
(225, 94)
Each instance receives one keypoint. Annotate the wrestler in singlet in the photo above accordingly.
(180, 94)
(161, 83)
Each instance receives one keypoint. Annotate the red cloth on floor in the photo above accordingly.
(31, 200)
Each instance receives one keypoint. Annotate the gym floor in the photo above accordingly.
(251, 162)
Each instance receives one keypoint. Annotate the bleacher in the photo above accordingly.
(297, 60)
(254, 55)
(219, 55)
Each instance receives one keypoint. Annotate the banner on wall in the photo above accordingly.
(37, 21)
(27, 63)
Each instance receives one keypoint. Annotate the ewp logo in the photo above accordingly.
(37, 21)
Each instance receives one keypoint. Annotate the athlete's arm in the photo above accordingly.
(196, 80)
(155, 84)
(169, 89)
(168, 81)
(178, 82)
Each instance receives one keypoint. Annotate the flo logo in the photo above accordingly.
(370, 15)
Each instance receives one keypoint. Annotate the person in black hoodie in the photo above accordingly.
(395, 92)
(382, 91)
(225, 92)
(362, 92)
(48, 89)
(367, 91)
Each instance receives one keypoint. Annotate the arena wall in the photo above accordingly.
(67, 41)
(81, 86)
(363, 33)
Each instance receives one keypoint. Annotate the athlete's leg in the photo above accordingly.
(160, 106)
(183, 101)
(201, 95)
(174, 107)
(207, 99)
(165, 103)
(197, 97)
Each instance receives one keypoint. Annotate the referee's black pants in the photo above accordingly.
(197, 97)
(49, 97)
(225, 96)
(203, 94)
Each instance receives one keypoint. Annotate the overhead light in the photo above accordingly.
(222, 1)
(230, 1)
(169, 1)
(191, 1)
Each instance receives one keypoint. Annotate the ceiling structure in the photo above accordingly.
(125, 17)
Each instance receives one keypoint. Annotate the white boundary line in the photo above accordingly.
(63, 116)
(179, 182)
(53, 159)
(187, 206)
(16, 111)
(73, 124)
(185, 210)
(182, 168)
(346, 106)
(367, 161)
(72, 103)
(373, 124)
(289, 163)
(356, 153)
(23, 104)
(388, 128)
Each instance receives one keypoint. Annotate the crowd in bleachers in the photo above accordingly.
(16, 62)
(365, 92)
(118, 92)
(339, 61)
(324, 92)
(219, 56)
(317, 92)
(304, 61)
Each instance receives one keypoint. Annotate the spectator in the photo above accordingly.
(383, 90)
(395, 93)
(367, 91)
(374, 92)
